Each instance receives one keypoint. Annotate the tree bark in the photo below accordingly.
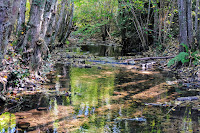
(5, 10)
(51, 27)
(182, 24)
(65, 22)
(21, 29)
(156, 25)
(69, 26)
(189, 23)
(49, 8)
(196, 16)
(61, 18)
(14, 11)
(21, 18)
(32, 40)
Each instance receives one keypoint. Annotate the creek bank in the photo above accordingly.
(16, 78)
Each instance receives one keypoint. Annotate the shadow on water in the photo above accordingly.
(110, 99)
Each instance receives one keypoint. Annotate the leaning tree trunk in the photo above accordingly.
(65, 21)
(51, 27)
(32, 43)
(62, 15)
(5, 10)
(69, 26)
(49, 8)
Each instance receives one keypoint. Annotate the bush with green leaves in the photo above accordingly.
(186, 57)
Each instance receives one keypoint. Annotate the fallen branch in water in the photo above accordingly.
(150, 58)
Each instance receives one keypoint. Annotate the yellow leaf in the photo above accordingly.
(173, 109)
(5, 77)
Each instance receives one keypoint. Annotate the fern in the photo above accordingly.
(182, 56)
(185, 46)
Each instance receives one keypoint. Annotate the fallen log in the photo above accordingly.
(187, 98)
(150, 58)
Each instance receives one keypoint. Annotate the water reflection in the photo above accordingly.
(7, 122)
(110, 99)
(98, 50)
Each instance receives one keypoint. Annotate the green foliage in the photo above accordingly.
(185, 46)
(89, 30)
(185, 57)
(91, 15)
(182, 56)
(7, 122)
(67, 42)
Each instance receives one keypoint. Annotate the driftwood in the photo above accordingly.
(150, 58)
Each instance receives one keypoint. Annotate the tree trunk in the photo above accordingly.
(21, 29)
(51, 27)
(65, 22)
(32, 42)
(62, 15)
(49, 8)
(189, 23)
(69, 26)
(155, 27)
(21, 18)
(196, 16)
(182, 24)
(14, 11)
(5, 9)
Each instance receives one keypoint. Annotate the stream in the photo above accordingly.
(96, 97)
